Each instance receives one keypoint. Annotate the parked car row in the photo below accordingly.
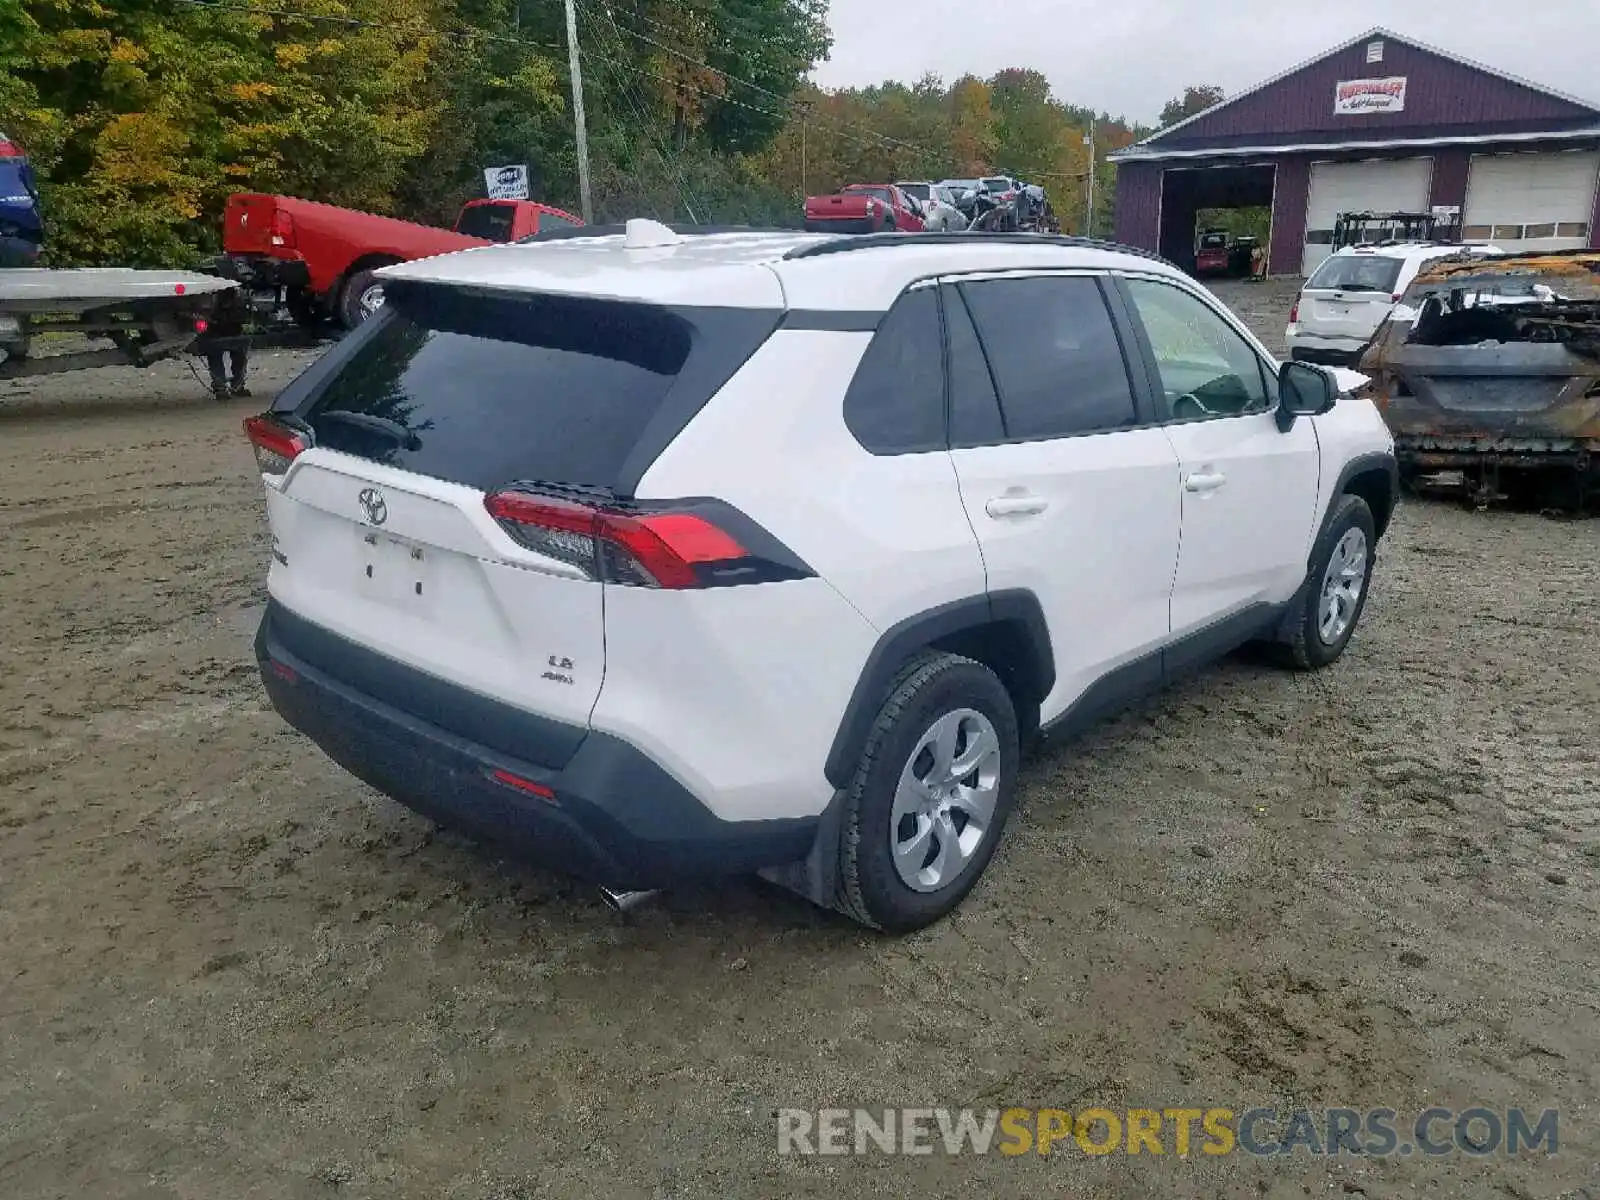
(997, 203)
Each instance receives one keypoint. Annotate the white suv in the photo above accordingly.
(659, 556)
(1349, 295)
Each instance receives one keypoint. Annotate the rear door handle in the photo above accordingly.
(1016, 506)
(1204, 481)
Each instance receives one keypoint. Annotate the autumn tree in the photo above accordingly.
(1195, 99)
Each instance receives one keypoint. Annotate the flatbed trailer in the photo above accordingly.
(145, 315)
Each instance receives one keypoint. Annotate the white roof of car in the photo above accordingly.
(1406, 249)
(749, 269)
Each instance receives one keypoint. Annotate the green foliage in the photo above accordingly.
(143, 116)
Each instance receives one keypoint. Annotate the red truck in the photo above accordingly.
(321, 259)
(862, 208)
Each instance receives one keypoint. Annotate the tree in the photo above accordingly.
(1195, 99)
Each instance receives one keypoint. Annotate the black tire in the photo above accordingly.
(1306, 649)
(351, 310)
(929, 686)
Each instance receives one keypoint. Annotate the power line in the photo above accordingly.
(689, 58)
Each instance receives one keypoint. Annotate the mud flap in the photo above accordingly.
(816, 876)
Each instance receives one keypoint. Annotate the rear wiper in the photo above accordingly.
(383, 425)
(1354, 287)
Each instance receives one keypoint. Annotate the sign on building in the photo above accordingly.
(1354, 96)
(507, 183)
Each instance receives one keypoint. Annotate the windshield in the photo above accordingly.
(1356, 273)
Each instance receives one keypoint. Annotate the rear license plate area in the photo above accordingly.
(396, 572)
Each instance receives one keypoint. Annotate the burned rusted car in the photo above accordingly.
(1490, 366)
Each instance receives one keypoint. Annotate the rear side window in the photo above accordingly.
(895, 403)
(974, 407)
(549, 221)
(1055, 356)
(483, 391)
(1357, 273)
(489, 221)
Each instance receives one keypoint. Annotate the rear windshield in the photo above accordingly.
(486, 390)
(997, 184)
(1213, 241)
(920, 191)
(490, 221)
(880, 192)
(1357, 273)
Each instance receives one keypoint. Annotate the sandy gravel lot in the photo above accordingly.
(229, 970)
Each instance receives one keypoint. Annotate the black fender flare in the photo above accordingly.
(1033, 677)
(1361, 464)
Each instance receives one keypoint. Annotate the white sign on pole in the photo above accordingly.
(507, 183)
(1354, 96)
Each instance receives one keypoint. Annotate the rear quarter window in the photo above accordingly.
(895, 402)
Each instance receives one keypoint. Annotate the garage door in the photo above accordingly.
(1378, 185)
(1531, 201)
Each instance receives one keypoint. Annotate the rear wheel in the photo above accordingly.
(361, 298)
(936, 783)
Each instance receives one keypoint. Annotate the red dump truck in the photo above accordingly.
(318, 259)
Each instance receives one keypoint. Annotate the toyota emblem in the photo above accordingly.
(372, 503)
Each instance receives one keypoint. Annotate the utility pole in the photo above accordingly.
(1088, 141)
(577, 113)
(805, 112)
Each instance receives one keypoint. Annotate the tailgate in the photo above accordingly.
(1347, 314)
(247, 224)
(417, 570)
(846, 206)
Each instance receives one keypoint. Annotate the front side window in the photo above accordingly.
(1207, 369)
(1055, 356)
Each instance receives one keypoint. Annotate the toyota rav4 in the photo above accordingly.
(659, 556)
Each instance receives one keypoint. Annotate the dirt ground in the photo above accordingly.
(229, 970)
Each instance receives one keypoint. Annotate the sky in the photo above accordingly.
(1129, 57)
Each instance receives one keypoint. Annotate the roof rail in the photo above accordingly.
(870, 241)
(582, 231)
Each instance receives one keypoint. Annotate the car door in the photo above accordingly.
(1069, 480)
(1249, 491)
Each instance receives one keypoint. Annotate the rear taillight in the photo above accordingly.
(281, 231)
(8, 148)
(650, 546)
(275, 444)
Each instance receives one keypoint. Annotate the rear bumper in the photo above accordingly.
(260, 271)
(615, 817)
(844, 224)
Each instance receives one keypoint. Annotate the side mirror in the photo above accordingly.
(1303, 391)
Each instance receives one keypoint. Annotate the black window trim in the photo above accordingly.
(1266, 364)
(1146, 409)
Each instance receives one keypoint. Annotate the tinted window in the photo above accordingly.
(1357, 273)
(920, 191)
(1054, 354)
(491, 221)
(997, 184)
(974, 408)
(895, 404)
(549, 221)
(1207, 369)
(483, 391)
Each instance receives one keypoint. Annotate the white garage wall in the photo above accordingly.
(1531, 201)
(1375, 185)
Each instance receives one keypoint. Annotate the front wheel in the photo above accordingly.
(936, 783)
(1336, 588)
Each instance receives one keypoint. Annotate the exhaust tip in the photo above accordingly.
(624, 901)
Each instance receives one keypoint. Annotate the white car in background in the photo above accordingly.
(940, 214)
(1349, 295)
